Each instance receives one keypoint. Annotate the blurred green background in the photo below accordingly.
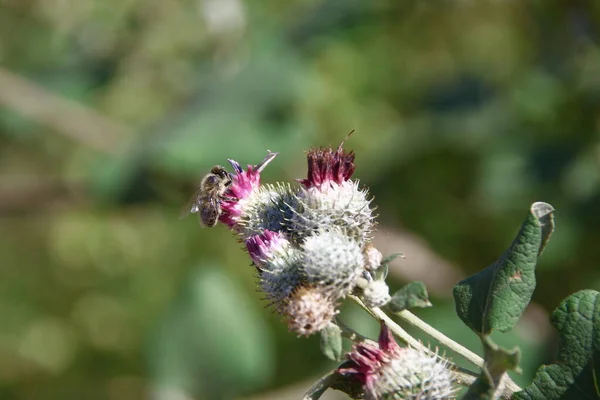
(110, 112)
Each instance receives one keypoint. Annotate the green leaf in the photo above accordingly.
(576, 374)
(413, 295)
(331, 342)
(382, 272)
(497, 362)
(496, 297)
(390, 258)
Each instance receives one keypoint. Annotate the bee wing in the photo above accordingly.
(191, 206)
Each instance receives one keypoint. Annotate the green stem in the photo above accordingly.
(395, 328)
(418, 323)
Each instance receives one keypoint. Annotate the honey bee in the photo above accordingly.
(206, 201)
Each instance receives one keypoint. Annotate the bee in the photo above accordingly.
(206, 201)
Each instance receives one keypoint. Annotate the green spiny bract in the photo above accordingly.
(337, 206)
(269, 208)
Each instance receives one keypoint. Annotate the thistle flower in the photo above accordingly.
(388, 371)
(306, 242)
(243, 187)
(330, 199)
(308, 310)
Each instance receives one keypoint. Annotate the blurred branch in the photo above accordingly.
(28, 193)
(79, 123)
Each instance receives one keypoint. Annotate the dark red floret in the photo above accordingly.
(326, 165)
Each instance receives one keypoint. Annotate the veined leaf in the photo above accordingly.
(576, 374)
(496, 297)
(331, 342)
(412, 295)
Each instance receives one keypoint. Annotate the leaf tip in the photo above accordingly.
(541, 209)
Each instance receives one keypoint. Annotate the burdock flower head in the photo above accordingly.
(242, 190)
(330, 198)
(388, 371)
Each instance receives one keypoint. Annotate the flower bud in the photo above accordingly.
(244, 185)
(376, 294)
(278, 264)
(332, 261)
(308, 310)
(373, 257)
(388, 371)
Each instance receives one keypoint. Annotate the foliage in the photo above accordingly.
(496, 297)
(111, 111)
(575, 374)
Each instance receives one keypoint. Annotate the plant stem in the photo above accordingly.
(395, 328)
(418, 323)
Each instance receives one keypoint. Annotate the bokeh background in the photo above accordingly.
(111, 111)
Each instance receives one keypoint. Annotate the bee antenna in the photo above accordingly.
(344, 141)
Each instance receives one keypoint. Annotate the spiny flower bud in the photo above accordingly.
(270, 208)
(308, 310)
(332, 261)
(373, 257)
(388, 371)
(329, 198)
(344, 205)
(278, 263)
(244, 185)
(280, 280)
(376, 294)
